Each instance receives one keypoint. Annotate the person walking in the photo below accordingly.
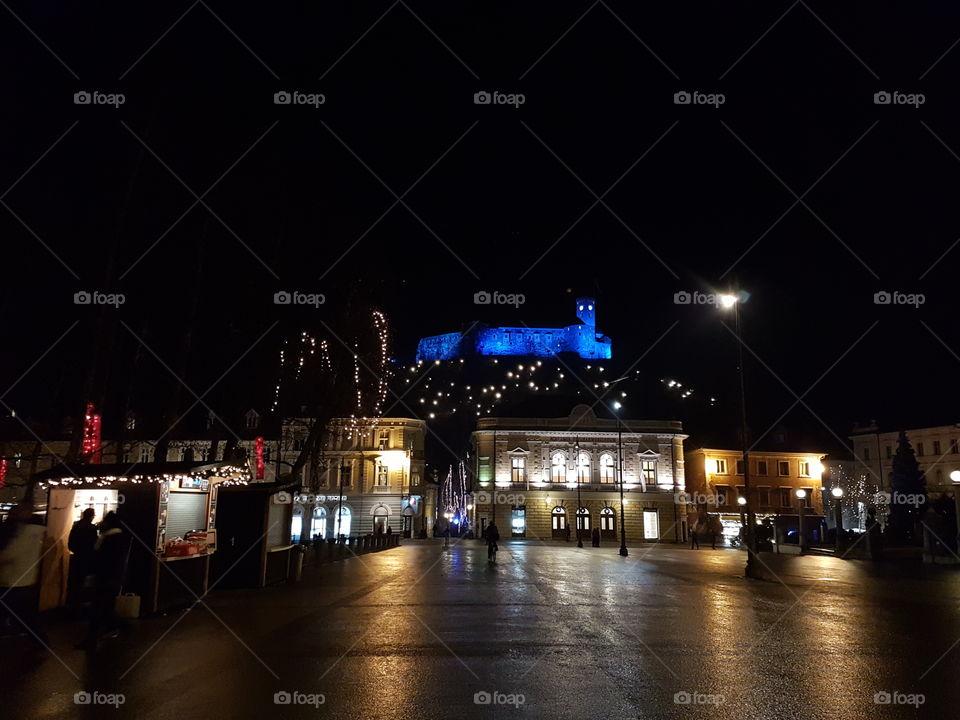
(81, 543)
(694, 540)
(596, 537)
(110, 565)
(493, 537)
(21, 544)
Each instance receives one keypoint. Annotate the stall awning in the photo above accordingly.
(102, 474)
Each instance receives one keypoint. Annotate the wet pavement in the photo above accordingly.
(550, 631)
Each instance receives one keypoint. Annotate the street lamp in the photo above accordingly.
(623, 526)
(801, 495)
(727, 302)
(742, 502)
(955, 478)
(837, 493)
(579, 505)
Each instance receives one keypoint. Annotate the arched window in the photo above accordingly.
(608, 519)
(318, 526)
(559, 521)
(583, 519)
(583, 468)
(296, 524)
(606, 468)
(341, 524)
(558, 467)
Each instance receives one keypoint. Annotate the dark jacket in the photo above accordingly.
(492, 533)
(82, 542)
(110, 558)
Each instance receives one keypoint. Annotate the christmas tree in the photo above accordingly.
(908, 490)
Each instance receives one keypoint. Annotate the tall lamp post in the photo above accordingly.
(728, 302)
(579, 505)
(343, 466)
(801, 496)
(742, 502)
(623, 522)
(837, 494)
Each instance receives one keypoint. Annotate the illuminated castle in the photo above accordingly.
(582, 339)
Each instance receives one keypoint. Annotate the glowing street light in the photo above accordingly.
(801, 496)
(837, 493)
(955, 478)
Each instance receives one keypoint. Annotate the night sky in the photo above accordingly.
(503, 198)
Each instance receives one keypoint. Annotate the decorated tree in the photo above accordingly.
(908, 490)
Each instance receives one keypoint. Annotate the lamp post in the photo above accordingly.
(577, 461)
(801, 495)
(955, 478)
(727, 302)
(343, 466)
(742, 502)
(837, 494)
(623, 523)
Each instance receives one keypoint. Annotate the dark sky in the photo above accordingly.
(301, 196)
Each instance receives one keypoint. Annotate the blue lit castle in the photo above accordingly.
(478, 339)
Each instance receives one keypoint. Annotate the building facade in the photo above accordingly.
(370, 478)
(937, 450)
(528, 472)
(715, 481)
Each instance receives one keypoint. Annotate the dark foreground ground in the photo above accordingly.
(549, 632)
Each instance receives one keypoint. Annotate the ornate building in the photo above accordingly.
(528, 472)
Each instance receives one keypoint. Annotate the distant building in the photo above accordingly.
(527, 472)
(937, 449)
(715, 481)
(371, 478)
(582, 339)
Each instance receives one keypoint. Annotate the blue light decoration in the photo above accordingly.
(582, 339)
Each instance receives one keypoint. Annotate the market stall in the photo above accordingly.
(170, 511)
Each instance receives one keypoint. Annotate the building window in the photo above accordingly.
(807, 500)
(558, 467)
(953, 446)
(889, 450)
(783, 468)
(517, 469)
(383, 477)
(318, 525)
(723, 494)
(919, 449)
(131, 422)
(17, 459)
(721, 467)
(583, 468)
(145, 454)
(558, 518)
(607, 520)
(738, 467)
(936, 448)
(583, 519)
(804, 468)
(252, 419)
(761, 467)
(648, 470)
(384, 440)
(651, 524)
(606, 468)
(764, 495)
(785, 498)
(345, 475)
(342, 521)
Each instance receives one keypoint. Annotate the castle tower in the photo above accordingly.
(587, 311)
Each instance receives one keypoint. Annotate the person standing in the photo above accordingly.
(493, 537)
(81, 543)
(596, 537)
(110, 565)
(21, 544)
(694, 540)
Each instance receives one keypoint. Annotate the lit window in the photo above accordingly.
(382, 475)
(559, 518)
(517, 471)
(583, 468)
(583, 519)
(648, 470)
(651, 524)
(804, 468)
(607, 519)
(721, 467)
(558, 467)
(606, 468)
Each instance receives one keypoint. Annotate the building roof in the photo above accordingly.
(582, 418)
(783, 453)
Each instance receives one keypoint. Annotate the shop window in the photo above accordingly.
(318, 526)
(342, 522)
(518, 521)
(651, 524)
